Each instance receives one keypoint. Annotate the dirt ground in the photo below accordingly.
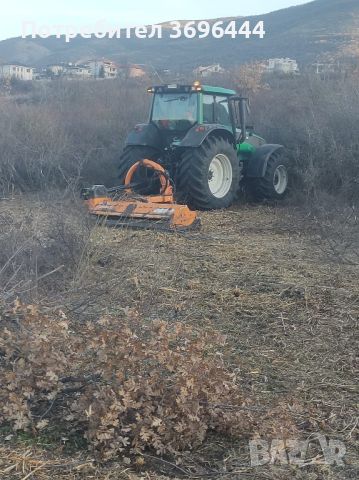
(290, 313)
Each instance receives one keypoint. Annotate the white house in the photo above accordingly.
(282, 65)
(55, 70)
(16, 71)
(209, 70)
(103, 68)
(77, 71)
(68, 71)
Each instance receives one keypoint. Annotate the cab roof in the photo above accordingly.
(196, 87)
(218, 90)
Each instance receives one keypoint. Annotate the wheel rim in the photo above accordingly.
(220, 176)
(280, 179)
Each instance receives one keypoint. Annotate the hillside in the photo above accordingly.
(307, 32)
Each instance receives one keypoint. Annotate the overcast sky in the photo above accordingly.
(80, 13)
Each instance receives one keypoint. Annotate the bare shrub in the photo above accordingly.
(41, 245)
(66, 132)
(35, 149)
(316, 120)
(249, 78)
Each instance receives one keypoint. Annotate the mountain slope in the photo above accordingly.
(322, 28)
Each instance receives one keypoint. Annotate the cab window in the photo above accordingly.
(221, 110)
(208, 109)
(216, 110)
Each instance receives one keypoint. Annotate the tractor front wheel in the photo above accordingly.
(147, 181)
(208, 176)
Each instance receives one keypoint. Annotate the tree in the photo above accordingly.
(249, 77)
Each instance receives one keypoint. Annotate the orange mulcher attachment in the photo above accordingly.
(121, 206)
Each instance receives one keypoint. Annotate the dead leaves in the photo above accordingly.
(155, 382)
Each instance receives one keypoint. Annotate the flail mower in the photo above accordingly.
(121, 206)
(193, 154)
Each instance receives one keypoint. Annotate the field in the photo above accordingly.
(258, 275)
(246, 329)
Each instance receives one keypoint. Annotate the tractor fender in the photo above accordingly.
(198, 134)
(144, 134)
(257, 165)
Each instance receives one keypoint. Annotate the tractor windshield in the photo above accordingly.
(175, 111)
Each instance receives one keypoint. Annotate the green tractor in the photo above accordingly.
(199, 134)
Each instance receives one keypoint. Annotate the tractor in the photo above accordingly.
(200, 137)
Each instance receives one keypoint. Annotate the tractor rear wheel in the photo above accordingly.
(274, 184)
(208, 176)
(147, 180)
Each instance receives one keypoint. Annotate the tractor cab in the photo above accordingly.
(180, 107)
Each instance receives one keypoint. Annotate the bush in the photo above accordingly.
(41, 245)
(316, 121)
(31, 361)
(67, 132)
(125, 384)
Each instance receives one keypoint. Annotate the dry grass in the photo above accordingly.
(290, 314)
(42, 240)
(36, 463)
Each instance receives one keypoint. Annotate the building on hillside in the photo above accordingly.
(103, 68)
(55, 70)
(282, 65)
(77, 71)
(20, 72)
(202, 72)
(41, 74)
(339, 69)
(66, 71)
(323, 68)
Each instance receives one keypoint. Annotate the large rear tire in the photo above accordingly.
(147, 178)
(208, 176)
(274, 184)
